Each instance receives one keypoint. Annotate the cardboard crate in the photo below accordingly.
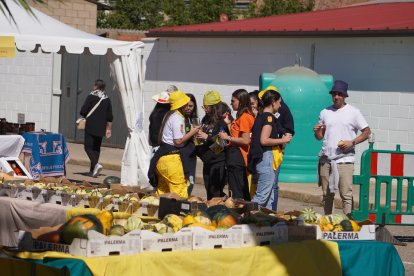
(206, 239)
(179, 241)
(258, 236)
(97, 244)
(367, 233)
(6, 168)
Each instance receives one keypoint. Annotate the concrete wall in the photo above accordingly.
(379, 72)
(25, 87)
(78, 14)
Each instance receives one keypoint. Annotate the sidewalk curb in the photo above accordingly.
(86, 163)
(309, 198)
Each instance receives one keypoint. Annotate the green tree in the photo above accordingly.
(147, 14)
(276, 7)
(133, 14)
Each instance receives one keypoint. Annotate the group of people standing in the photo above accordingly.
(244, 152)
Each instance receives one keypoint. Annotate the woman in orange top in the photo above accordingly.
(239, 144)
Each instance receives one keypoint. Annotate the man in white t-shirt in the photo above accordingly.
(338, 127)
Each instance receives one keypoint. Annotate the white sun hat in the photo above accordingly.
(162, 97)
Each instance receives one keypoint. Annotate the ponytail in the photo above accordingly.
(267, 99)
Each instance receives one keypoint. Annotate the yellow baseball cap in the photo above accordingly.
(268, 88)
(211, 98)
(178, 99)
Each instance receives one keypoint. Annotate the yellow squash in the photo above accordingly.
(106, 217)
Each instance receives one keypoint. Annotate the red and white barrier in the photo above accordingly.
(392, 164)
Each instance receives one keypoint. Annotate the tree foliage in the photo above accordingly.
(277, 7)
(147, 14)
(133, 14)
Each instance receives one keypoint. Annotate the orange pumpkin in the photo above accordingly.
(225, 218)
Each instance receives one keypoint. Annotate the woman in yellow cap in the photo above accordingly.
(239, 144)
(213, 155)
(169, 167)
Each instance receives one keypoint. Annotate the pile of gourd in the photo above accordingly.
(338, 222)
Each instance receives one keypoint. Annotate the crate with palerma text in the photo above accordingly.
(258, 236)
(206, 239)
(178, 241)
(97, 244)
(366, 233)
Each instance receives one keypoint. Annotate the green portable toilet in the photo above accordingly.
(306, 93)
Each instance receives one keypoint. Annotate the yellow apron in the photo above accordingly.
(170, 175)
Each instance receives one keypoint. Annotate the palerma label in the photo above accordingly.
(7, 47)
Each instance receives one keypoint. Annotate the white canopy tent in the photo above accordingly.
(127, 69)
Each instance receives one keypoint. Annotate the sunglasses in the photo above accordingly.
(206, 107)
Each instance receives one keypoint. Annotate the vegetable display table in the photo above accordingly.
(293, 258)
(49, 153)
(20, 214)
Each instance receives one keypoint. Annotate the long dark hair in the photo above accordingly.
(159, 107)
(244, 102)
(268, 97)
(166, 117)
(194, 112)
(217, 111)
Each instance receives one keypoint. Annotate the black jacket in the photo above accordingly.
(285, 120)
(96, 123)
(155, 127)
(205, 153)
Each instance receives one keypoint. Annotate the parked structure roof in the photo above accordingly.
(384, 19)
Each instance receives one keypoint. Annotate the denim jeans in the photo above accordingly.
(276, 189)
(264, 191)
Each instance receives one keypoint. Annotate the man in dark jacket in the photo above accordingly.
(98, 111)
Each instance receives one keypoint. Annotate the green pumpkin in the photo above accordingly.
(78, 227)
(213, 210)
(117, 230)
(225, 218)
(111, 180)
(201, 217)
(108, 193)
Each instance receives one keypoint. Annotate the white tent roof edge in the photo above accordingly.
(52, 34)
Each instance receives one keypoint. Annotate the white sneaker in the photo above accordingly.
(98, 168)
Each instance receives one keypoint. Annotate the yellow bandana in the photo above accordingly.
(268, 88)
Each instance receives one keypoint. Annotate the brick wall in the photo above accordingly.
(26, 87)
(78, 14)
(378, 70)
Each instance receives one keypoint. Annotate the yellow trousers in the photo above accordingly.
(170, 175)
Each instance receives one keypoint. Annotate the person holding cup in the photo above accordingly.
(212, 155)
(265, 154)
(169, 167)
